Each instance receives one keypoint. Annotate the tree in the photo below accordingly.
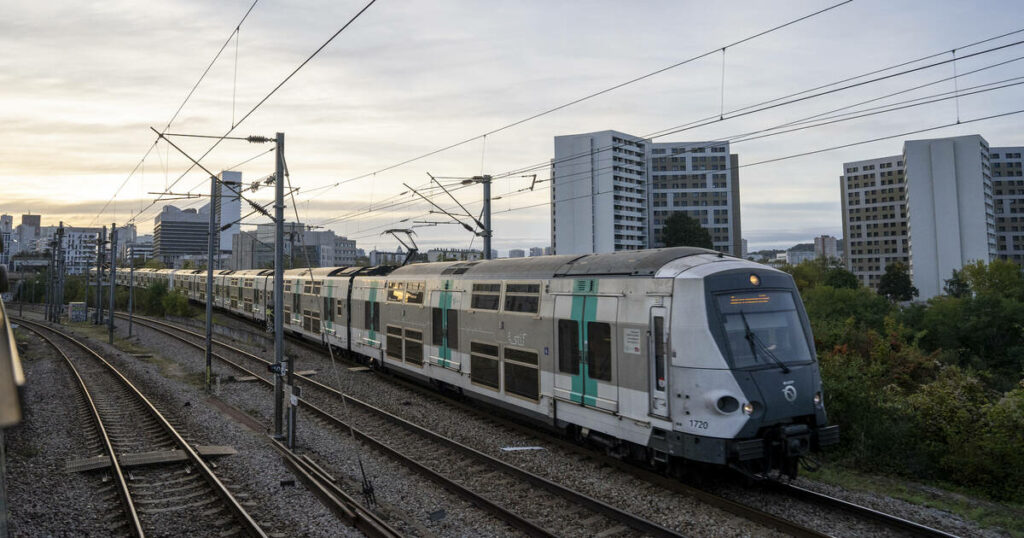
(154, 263)
(838, 277)
(957, 286)
(683, 231)
(895, 284)
(1001, 278)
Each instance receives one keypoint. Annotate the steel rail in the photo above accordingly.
(635, 522)
(732, 507)
(890, 520)
(248, 524)
(337, 500)
(134, 523)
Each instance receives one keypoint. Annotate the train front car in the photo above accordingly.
(745, 385)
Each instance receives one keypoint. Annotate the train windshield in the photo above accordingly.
(762, 329)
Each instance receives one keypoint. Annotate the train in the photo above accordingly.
(678, 357)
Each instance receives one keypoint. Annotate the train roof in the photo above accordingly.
(622, 263)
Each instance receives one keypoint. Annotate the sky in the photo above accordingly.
(82, 83)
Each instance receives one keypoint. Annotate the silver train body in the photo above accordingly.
(673, 356)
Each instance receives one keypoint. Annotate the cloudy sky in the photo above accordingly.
(82, 82)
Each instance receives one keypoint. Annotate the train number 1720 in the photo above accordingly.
(699, 424)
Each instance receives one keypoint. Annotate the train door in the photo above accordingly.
(585, 362)
(657, 349)
(444, 325)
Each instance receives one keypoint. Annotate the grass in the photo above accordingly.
(956, 500)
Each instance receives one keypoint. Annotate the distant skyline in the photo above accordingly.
(82, 82)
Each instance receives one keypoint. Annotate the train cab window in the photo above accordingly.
(394, 342)
(439, 329)
(486, 296)
(483, 364)
(599, 350)
(522, 298)
(396, 292)
(568, 346)
(414, 292)
(521, 373)
(414, 346)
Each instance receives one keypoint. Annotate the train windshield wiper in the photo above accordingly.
(756, 342)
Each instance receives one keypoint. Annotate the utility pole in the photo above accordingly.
(99, 276)
(209, 281)
(62, 268)
(49, 282)
(486, 180)
(279, 283)
(113, 276)
(131, 287)
(88, 279)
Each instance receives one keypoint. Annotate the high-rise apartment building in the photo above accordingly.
(936, 207)
(826, 246)
(229, 207)
(613, 191)
(1008, 190)
(874, 200)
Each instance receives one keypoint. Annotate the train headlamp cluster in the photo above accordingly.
(748, 408)
(755, 280)
(727, 404)
(817, 398)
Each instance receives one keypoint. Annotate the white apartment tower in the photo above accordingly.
(950, 207)
(613, 191)
(599, 193)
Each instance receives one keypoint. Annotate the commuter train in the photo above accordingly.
(673, 356)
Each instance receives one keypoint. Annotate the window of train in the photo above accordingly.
(414, 292)
(599, 350)
(522, 376)
(287, 285)
(486, 296)
(659, 351)
(371, 315)
(328, 309)
(439, 329)
(568, 346)
(394, 342)
(396, 291)
(248, 282)
(414, 346)
(296, 302)
(341, 308)
(522, 298)
(483, 364)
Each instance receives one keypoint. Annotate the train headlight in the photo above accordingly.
(755, 280)
(727, 404)
(748, 408)
(817, 398)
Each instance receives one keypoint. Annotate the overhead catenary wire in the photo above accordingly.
(268, 96)
(596, 93)
(179, 109)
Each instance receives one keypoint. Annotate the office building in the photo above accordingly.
(536, 251)
(180, 232)
(6, 239)
(229, 207)
(613, 191)
(936, 207)
(800, 253)
(516, 253)
(826, 246)
(302, 247)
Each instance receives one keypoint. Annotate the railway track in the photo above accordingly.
(163, 484)
(826, 502)
(526, 501)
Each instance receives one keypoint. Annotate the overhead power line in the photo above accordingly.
(264, 100)
(178, 111)
(597, 93)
